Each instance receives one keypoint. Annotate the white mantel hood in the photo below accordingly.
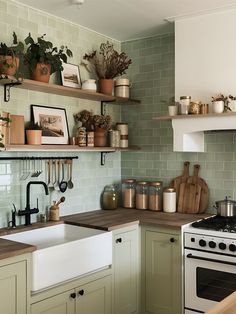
(188, 131)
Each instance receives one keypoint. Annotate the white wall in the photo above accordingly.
(205, 56)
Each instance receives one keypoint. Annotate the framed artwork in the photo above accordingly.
(53, 122)
(70, 76)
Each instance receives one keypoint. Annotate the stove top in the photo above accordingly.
(217, 223)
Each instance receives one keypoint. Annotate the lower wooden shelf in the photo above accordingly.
(63, 148)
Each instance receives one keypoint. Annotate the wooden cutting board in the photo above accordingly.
(175, 183)
(190, 195)
(204, 200)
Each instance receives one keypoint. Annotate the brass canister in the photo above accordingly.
(194, 107)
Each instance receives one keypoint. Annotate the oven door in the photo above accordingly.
(209, 278)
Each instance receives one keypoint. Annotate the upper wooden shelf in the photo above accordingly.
(195, 116)
(61, 148)
(64, 91)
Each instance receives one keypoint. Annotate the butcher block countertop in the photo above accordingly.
(114, 219)
(226, 306)
(100, 219)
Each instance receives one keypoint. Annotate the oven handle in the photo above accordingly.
(210, 259)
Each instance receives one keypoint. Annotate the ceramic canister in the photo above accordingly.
(123, 128)
(122, 88)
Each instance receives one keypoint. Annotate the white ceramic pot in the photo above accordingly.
(218, 106)
(232, 105)
(89, 85)
(173, 110)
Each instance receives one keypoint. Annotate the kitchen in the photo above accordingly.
(153, 78)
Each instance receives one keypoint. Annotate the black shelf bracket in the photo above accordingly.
(103, 158)
(103, 108)
(7, 90)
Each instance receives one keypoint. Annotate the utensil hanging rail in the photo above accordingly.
(38, 158)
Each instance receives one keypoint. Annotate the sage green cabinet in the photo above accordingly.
(91, 298)
(13, 286)
(161, 276)
(126, 270)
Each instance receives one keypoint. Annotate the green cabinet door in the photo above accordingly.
(94, 297)
(125, 271)
(162, 273)
(60, 304)
(13, 288)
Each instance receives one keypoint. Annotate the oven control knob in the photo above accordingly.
(202, 243)
(232, 247)
(222, 246)
(212, 244)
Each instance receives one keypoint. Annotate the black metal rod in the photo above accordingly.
(37, 158)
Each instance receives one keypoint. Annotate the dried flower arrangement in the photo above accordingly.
(221, 97)
(107, 63)
(92, 122)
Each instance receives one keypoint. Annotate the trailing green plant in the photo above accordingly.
(42, 51)
(15, 50)
(107, 62)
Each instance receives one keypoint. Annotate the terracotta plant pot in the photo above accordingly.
(34, 137)
(100, 137)
(42, 72)
(13, 61)
(106, 86)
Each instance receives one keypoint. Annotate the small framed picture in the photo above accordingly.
(70, 76)
(53, 122)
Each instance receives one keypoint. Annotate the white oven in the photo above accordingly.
(210, 271)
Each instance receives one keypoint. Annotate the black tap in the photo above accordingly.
(28, 211)
(12, 222)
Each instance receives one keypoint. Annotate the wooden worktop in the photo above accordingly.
(100, 219)
(113, 219)
(226, 306)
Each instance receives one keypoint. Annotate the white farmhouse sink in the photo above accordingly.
(64, 252)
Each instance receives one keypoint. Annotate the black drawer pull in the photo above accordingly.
(81, 292)
(119, 240)
(172, 240)
(73, 295)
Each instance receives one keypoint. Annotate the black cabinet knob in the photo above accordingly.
(119, 240)
(222, 246)
(73, 295)
(172, 240)
(81, 292)
(202, 243)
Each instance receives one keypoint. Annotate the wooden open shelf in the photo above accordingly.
(63, 148)
(195, 116)
(64, 91)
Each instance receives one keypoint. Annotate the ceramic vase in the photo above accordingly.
(100, 137)
(106, 86)
(218, 106)
(34, 137)
(12, 61)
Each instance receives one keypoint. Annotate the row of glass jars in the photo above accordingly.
(142, 194)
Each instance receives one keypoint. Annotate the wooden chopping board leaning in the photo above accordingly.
(176, 182)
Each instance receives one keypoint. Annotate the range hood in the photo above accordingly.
(188, 131)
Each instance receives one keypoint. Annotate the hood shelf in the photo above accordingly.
(188, 130)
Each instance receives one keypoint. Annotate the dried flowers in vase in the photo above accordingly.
(107, 62)
(93, 122)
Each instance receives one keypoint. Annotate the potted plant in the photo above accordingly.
(43, 59)
(4, 123)
(33, 133)
(9, 56)
(220, 104)
(107, 64)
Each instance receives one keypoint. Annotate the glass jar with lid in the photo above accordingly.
(128, 193)
(142, 195)
(155, 196)
(109, 197)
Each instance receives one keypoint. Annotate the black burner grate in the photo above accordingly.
(218, 223)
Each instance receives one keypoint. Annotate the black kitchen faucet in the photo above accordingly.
(27, 212)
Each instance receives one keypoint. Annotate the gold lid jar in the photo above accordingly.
(128, 193)
(155, 196)
(142, 195)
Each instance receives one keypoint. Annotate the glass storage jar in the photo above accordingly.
(155, 196)
(142, 195)
(128, 193)
(109, 197)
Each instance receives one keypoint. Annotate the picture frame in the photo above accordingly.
(70, 75)
(53, 122)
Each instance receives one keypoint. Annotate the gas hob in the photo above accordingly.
(217, 223)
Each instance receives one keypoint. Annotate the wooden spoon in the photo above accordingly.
(70, 184)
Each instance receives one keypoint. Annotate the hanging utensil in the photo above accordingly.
(70, 184)
(56, 182)
(63, 183)
(50, 174)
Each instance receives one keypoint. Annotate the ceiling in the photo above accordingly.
(128, 19)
